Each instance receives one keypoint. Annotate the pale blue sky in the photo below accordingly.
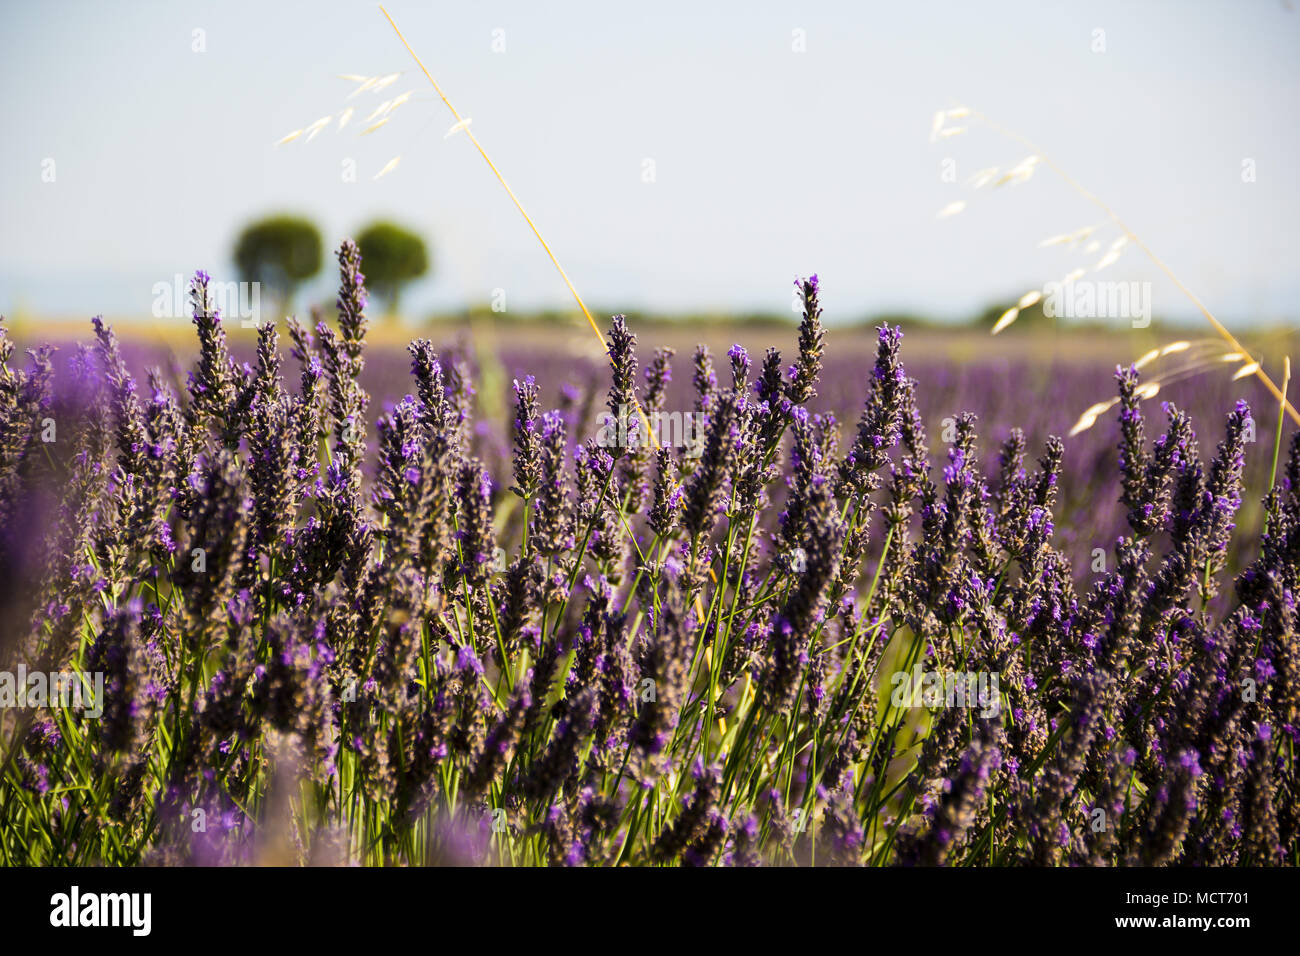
(769, 163)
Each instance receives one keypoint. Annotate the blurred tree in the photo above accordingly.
(1030, 318)
(280, 252)
(391, 256)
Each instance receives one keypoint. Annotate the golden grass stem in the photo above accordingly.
(465, 128)
(1159, 263)
(1277, 437)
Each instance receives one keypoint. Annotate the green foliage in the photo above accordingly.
(393, 256)
(280, 252)
(1030, 319)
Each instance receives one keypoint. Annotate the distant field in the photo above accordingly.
(570, 335)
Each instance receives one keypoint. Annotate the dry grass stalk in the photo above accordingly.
(1252, 366)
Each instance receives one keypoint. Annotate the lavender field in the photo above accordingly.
(504, 437)
(335, 604)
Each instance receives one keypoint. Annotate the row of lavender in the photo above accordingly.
(1040, 398)
(327, 635)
